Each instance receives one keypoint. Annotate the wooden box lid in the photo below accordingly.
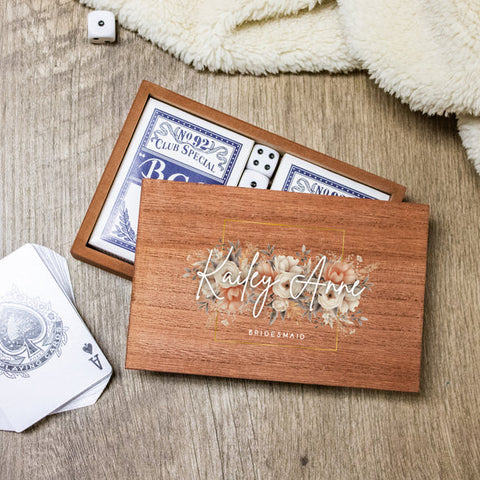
(343, 282)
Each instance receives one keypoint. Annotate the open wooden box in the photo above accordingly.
(82, 249)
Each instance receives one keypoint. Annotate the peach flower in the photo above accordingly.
(232, 298)
(340, 272)
(265, 271)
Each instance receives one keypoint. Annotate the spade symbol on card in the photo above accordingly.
(87, 348)
(20, 329)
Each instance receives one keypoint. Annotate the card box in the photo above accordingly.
(370, 340)
(83, 248)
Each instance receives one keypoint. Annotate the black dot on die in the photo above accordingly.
(272, 156)
(260, 151)
(267, 167)
(101, 23)
(256, 162)
(253, 184)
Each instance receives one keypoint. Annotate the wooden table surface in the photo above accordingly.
(63, 104)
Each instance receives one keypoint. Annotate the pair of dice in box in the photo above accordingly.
(260, 167)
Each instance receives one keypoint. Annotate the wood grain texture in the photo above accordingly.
(63, 105)
(82, 250)
(169, 333)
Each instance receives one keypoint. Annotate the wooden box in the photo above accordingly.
(83, 250)
(343, 282)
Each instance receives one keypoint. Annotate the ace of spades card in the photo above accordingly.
(49, 361)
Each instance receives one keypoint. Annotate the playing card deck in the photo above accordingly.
(49, 361)
(168, 145)
(297, 175)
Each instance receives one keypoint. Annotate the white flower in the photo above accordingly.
(280, 304)
(285, 287)
(216, 255)
(329, 300)
(350, 303)
(207, 289)
(231, 271)
(287, 264)
(328, 319)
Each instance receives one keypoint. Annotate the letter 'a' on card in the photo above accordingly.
(168, 144)
(297, 175)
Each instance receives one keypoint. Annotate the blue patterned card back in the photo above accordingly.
(168, 144)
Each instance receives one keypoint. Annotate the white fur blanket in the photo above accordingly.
(425, 52)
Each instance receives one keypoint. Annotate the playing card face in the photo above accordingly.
(168, 144)
(48, 358)
(297, 175)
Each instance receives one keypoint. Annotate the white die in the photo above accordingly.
(101, 27)
(263, 159)
(253, 179)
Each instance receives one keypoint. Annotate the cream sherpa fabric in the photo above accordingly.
(425, 52)
(247, 36)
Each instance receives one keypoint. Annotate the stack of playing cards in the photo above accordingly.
(297, 175)
(49, 361)
(168, 144)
